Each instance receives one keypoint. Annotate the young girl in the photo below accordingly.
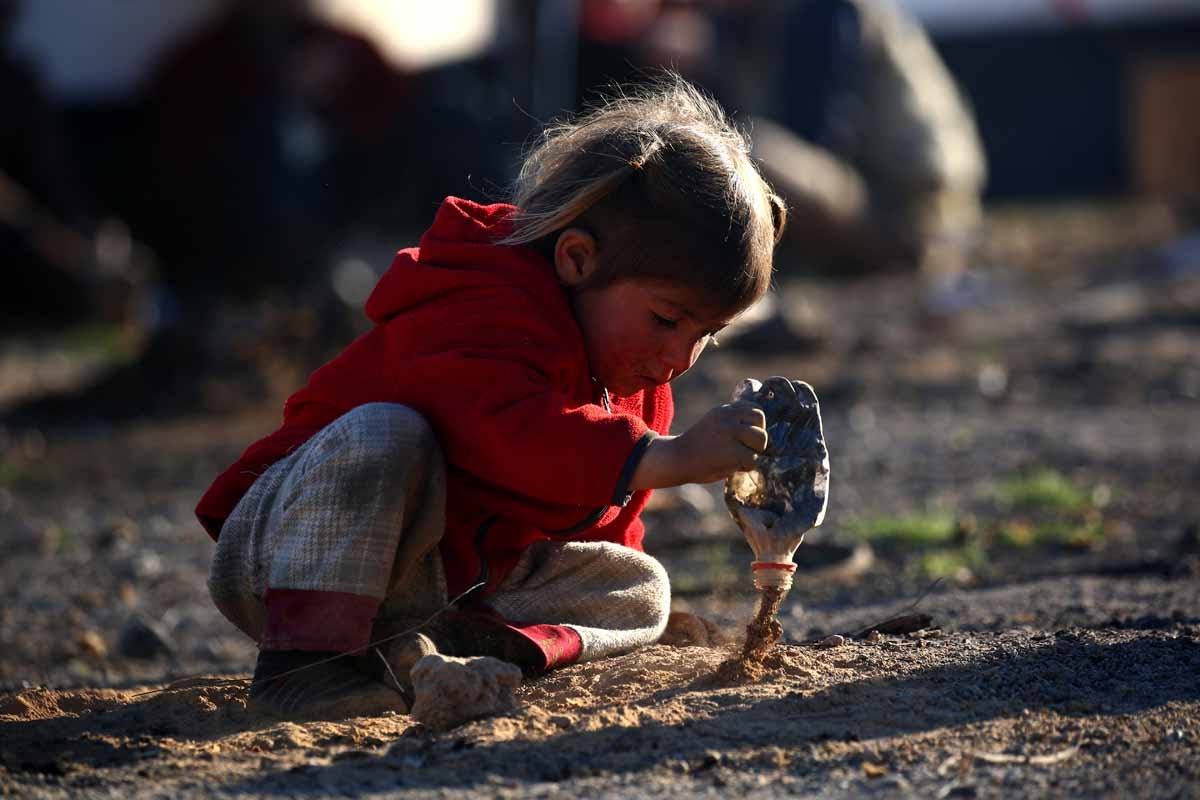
(501, 427)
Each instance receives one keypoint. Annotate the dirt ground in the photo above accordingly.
(1052, 665)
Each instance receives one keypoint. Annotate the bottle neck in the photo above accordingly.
(772, 575)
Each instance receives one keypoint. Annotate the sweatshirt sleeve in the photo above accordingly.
(502, 418)
(497, 371)
(500, 371)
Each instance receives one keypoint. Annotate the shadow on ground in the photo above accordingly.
(1072, 676)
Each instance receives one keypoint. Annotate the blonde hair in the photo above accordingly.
(664, 182)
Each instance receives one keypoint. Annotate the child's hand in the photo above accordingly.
(725, 440)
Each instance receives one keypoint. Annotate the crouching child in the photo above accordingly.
(498, 431)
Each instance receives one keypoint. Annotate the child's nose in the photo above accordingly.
(679, 356)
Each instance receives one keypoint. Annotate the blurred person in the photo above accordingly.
(62, 263)
(610, 32)
(499, 430)
(867, 136)
(855, 119)
(272, 131)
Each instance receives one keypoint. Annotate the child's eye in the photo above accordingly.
(663, 321)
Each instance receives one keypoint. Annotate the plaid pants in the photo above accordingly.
(356, 513)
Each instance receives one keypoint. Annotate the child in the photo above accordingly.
(501, 427)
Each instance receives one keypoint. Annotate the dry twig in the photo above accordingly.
(965, 758)
(904, 622)
(1041, 761)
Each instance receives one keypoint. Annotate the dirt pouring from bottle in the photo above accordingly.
(759, 655)
(775, 504)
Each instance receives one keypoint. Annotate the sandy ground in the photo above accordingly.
(1053, 669)
(1009, 713)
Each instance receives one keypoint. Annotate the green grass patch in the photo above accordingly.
(1042, 490)
(21, 476)
(54, 539)
(912, 529)
(1073, 533)
(98, 340)
(10, 473)
(954, 563)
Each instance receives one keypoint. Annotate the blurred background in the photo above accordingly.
(991, 275)
(162, 162)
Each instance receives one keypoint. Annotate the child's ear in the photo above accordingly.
(574, 256)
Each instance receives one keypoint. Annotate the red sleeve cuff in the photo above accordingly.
(558, 645)
(298, 619)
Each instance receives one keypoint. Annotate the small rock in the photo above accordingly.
(873, 636)
(143, 639)
(830, 642)
(449, 691)
(146, 565)
(927, 633)
(119, 535)
(992, 380)
(92, 643)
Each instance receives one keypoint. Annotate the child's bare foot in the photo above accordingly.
(455, 632)
(294, 684)
(397, 657)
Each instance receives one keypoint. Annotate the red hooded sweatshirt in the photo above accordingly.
(480, 339)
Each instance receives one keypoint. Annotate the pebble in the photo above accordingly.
(927, 633)
(92, 644)
(449, 691)
(143, 639)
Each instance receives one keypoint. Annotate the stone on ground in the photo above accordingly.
(449, 691)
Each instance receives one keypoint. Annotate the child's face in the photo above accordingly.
(641, 333)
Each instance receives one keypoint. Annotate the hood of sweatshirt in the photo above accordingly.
(459, 252)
